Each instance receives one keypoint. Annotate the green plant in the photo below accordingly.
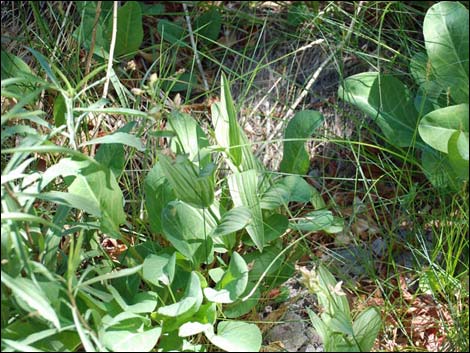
(198, 268)
(439, 110)
(335, 326)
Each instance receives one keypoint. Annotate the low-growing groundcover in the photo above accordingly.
(132, 223)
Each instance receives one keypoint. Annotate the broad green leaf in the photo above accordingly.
(332, 303)
(385, 99)
(46, 67)
(112, 155)
(59, 110)
(142, 303)
(207, 313)
(99, 185)
(130, 33)
(87, 10)
(295, 158)
(111, 275)
(445, 30)
(236, 336)
(243, 189)
(300, 190)
(437, 127)
(221, 127)
(261, 261)
(234, 220)
(366, 328)
(188, 231)
(128, 341)
(152, 9)
(208, 24)
(397, 114)
(191, 185)
(71, 200)
(274, 226)
(172, 32)
(313, 221)
(458, 154)
(226, 102)
(192, 328)
(159, 269)
(118, 137)
(232, 284)
(438, 169)
(341, 323)
(20, 346)
(13, 66)
(33, 296)
(26, 217)
(158, 193)
(276, 196)
(421, 69)
(429, 97)
(320, 327)
(240, 307)
(174, 315)
(183, 82)
(290, 188)
(190, 138)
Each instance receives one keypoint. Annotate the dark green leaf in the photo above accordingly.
(130, 33)
(303, 124)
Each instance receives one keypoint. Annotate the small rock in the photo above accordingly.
(291, 333)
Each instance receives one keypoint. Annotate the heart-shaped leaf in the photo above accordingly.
(445, 30)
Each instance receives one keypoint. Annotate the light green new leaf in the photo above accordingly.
(130, 32)
(236, 336)
(366, 328)
(33, 296)
(295, 158)
(159, 269)
(232, 284)
(445, 30)
(128, 341)
(437, 127)
(243, 189)
(188, 231)
(190, 185)
(118, 137)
